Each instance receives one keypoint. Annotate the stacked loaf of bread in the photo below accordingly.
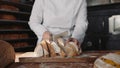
(48, 48)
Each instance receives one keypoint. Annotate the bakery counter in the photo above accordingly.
(85, 60)
(51, 65)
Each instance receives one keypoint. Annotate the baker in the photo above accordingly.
(66, 18)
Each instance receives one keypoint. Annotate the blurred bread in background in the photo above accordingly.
(7, 54)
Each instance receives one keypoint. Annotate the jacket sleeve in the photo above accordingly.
(81, 22)
(35, 21)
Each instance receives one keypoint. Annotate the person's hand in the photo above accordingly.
(73, 40)
(47, 35)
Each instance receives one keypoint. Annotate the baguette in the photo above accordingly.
(44, 48)
(51, 49)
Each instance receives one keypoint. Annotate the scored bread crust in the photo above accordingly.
(44, 47)
(49, 48)
(111, 60)
(70, 49)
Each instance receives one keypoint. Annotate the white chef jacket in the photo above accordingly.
(58, 16)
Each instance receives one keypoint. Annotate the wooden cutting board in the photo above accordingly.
(57, 60)
(87, 57)
(85, 60)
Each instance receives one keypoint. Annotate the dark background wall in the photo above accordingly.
(97, 35)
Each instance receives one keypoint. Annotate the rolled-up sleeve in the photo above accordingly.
(81, 22)
(35, 21)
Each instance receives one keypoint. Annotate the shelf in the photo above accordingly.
(19, 15)
(13, 3)
(109, 12)
(15, 31)
(20, 40)
(97, 35)
(19, 5)
(104, 7)
(25, 49)
(14, 12)
(11, 22)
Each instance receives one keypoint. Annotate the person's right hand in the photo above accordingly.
(47, 35)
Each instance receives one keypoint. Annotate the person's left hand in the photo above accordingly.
(73, 40)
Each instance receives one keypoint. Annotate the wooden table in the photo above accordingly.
(85, 60)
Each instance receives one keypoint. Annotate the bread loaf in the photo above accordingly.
(111, 60)
(70, 49)
(7, 54)
(44, 48)
(49, 48)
